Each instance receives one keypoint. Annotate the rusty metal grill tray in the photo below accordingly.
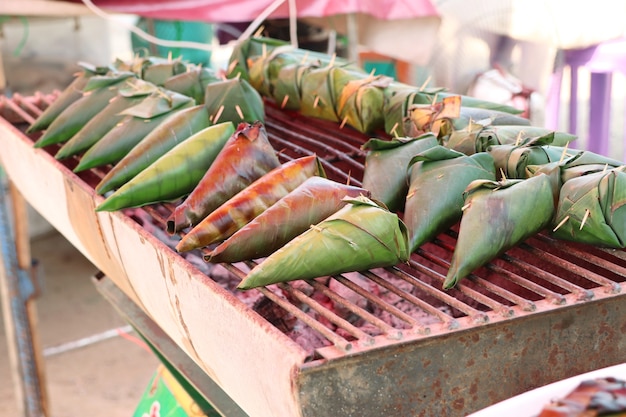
(387, 341)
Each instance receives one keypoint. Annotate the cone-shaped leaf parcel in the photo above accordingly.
(246, 157)
(360, 236)
(250, 202)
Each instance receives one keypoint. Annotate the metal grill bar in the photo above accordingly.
(513, 284)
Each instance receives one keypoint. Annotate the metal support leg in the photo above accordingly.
(17, 292)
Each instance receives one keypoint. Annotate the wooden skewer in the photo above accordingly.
(585, 217)
(343, 122)
(239, 112)
(316, 101)
(305, 57)
(264, 51)
(518, 139)
(285, 100)
(565, 219)
(466, 206)
(425, 83)
(218, 114)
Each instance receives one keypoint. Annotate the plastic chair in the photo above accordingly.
(601, 61)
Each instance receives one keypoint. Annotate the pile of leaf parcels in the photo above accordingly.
(174, 131)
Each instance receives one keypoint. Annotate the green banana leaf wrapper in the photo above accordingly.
(438, 179)
(575, 165)
(265, 68)
(250, 202)
(317, 94)
(193, 83)
(139, 121)
(499, 215)
(69, 95)
(81, 111)
(128, 96)
(476, 137)
(246, 52)
(310, 203)
(386, 173)
(592, 209)
(513, 161)
(287, 85)
(402, 96)
(174, 174)
(234, 101)
(246, 49)
(360, 236)
(158, 70)
(246, 157)
(361, 99)
(176, 127)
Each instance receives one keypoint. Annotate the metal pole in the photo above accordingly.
(17, 291)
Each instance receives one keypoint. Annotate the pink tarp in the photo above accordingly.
(248, 10)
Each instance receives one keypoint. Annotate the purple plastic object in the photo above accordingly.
(601, 61)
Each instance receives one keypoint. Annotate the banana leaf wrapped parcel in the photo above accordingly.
(233, 100)
(139, 121)
(69, 95)
(360, 236)
(97, 93)
(477, 137)
(175, 173)
(310, 203)
(438, 178)
(193, 83)
(513, 160)
(401, 97)
(250, 202)
(497, 216)
(246, 157)
(592, 209)
(128, 96)
(386, 167)
(361, 99)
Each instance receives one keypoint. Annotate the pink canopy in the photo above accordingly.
(248, 10)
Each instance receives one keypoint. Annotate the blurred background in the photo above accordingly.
(510, 51)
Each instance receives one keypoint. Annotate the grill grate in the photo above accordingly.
(334, 316)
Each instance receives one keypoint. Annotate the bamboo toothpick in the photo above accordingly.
(332, 60)
(565, 219)
(585, 217)
(259, 31)
(304, 57)
(316, 101)
(425, 83)
(518, 139)
(285, 100)
(465, 207)
(239, 112)
(218, 114)
(343, 122)
(564, 152)
(394, 130)
(263, 51)
(232, 65)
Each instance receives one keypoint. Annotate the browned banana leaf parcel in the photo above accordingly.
(360, 236)
(310, 203)
(246, 157)
(250, 202)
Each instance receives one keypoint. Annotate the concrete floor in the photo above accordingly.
(105, 378)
